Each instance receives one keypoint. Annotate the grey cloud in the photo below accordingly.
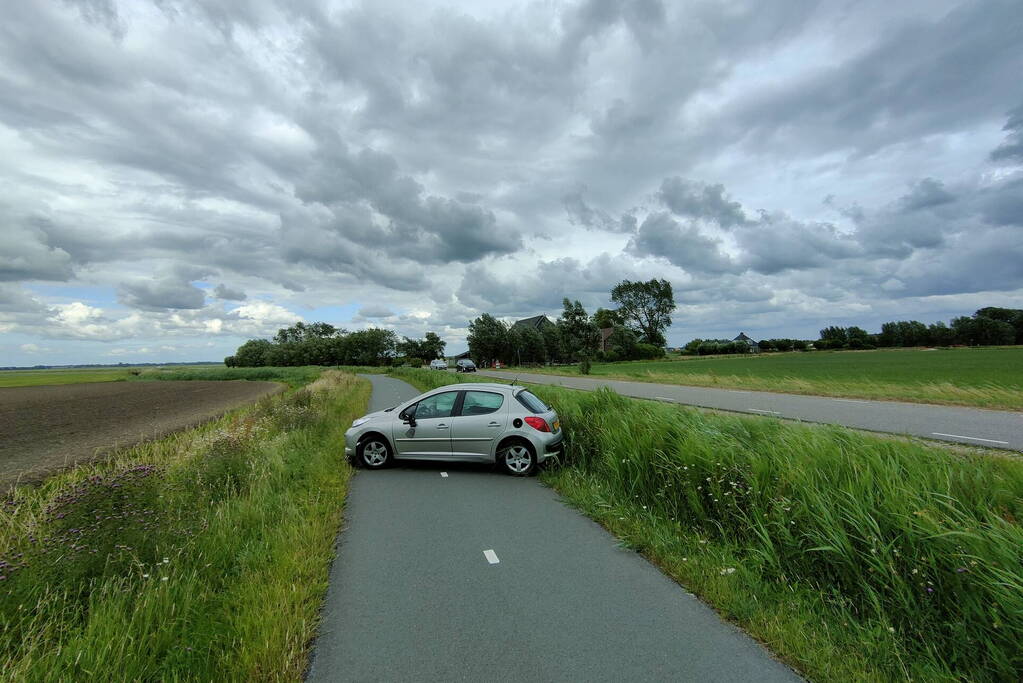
(27, 254)
(776, 243)
(161, 294)
(685, 246)
(698, 200)
(926, 74)
(222, 291)
(1012, 148)
(375, 312)
(581, 213)
(926, 194)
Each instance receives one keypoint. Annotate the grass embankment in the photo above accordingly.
(982, 378)
(201, 556)
(851, 556)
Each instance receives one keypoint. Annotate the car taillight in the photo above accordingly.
(538, 423)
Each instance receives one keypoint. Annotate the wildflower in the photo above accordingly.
(145, 576)
(164, 578)
(891, 629)
(727, 570)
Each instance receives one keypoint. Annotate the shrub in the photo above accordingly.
(584, 365)
(648, 352)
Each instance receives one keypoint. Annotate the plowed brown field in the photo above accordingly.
(45, 428)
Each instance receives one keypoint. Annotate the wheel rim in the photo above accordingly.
(518, 459)
(374, 453)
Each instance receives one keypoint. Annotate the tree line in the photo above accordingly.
(637, 330)
(323, 344)
(989, 326)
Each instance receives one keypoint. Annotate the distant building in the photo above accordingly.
(605, 335)
(753, 346)
(537, 322)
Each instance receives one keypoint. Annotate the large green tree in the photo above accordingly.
(487, 338)
(646, 307)
(607, 317)
(578, 333)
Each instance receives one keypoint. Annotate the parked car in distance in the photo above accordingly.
(438, 364)
(465, 365)
(493, 423)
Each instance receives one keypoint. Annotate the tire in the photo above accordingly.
(374, 453)
(517, 458)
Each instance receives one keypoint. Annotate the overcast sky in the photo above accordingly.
(181, 176)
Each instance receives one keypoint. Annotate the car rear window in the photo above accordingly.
(481, 403)
(531, 402)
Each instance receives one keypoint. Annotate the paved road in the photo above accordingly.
(991, 428)
(414, 594)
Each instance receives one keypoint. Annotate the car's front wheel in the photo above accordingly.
(518, 459)
(374, 453)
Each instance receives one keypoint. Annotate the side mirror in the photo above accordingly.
(408, 418)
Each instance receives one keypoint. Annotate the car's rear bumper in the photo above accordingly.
(552, 448)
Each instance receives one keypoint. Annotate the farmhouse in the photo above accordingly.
(753, 346)
(537, 322)
(605, 335)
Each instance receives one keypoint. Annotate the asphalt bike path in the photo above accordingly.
(990, 428)
(449, 572)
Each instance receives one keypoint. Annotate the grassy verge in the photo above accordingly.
(202, 556)
(852, 556)
(983, 378)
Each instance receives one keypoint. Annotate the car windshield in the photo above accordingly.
(531, 402)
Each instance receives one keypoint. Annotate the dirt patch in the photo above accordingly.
(45, 428)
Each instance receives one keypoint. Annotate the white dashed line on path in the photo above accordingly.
(848, 400)
(443, 474)
(758, 410)
(971, 438)
(491, 556)
(664, 398)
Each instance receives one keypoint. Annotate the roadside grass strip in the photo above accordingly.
(853, 557)
(200, 556)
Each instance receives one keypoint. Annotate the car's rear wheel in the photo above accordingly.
(374, 453)
(517, 458)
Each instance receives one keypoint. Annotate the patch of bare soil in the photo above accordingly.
(45, 428)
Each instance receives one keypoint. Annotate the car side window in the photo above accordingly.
(481, 402)
(438, 405)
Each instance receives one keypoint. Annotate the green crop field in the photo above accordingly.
(985, 377)
(31, 378)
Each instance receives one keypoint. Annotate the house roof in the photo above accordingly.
(536, 322)
(606, 332)
(742, 337)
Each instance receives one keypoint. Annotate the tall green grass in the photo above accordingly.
(201, 556)
(906, 557)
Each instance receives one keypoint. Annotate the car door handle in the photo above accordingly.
(442, 426)
(494, 424)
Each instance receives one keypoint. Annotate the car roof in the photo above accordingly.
(478, 385)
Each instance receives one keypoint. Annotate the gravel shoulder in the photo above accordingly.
(45, 428)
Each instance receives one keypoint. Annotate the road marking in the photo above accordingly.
(972, 438)
(848, 400)
(443, 474)
(757, 410)
(491, 556)
(664, 398)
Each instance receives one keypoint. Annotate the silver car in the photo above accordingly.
(499, 423)
(438, 364)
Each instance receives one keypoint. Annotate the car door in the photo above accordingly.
(431, 436)
(481, 419)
